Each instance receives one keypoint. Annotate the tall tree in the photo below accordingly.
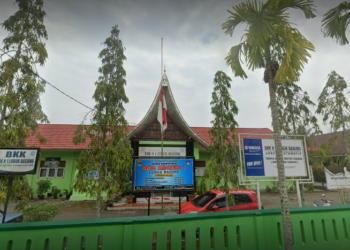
(271, 42)
(223, 163)
(105, 166)
(335, 108)
(294, 115)
(336, 21)
(20, 87)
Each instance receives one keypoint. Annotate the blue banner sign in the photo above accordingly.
(253, 157)
(163, 174)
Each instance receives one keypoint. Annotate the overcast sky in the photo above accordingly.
(194, 50)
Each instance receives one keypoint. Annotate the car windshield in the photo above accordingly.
(203, 199)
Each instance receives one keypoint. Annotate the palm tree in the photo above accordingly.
(336, 21)
(271, 42)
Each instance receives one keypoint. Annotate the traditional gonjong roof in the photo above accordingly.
(172, 111)
(60, 136)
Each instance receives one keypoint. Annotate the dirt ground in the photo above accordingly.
(76, 210)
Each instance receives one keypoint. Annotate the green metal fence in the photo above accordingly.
(313, 228)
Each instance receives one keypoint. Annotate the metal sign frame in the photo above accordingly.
(244, 180)
(155, 190)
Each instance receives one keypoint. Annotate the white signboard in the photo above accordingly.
(337, 181)
(260, 157)
(18, 160)
(167, 151)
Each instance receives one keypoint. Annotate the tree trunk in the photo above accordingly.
(345, 142)
(227, 194)
(98, 204)
(286, 222)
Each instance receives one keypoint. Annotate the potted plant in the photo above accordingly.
(43, 187)
(55, 192)
(128, 193)
(68, 193)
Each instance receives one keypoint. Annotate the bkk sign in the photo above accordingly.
(19, 161)
(260, 157)
(163, 174)
(167, 151)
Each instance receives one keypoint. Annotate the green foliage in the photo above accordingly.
(67, 191)
(40, 212)
(335, 108)
(20, 191)
(20, 107)
(275, 186)
(309, 187)
(109, 153)
(127, 190)
(20, 85)
(268, 189)
(43, 186)
(268, 36)
(319, 174)
(333, 104)
(336, 21)
(295, 117)
(342, 195)
(55, 191)
(223, 164)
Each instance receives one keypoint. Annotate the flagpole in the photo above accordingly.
(161, 139)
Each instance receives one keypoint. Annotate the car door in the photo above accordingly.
(220, 202)
(242, 202)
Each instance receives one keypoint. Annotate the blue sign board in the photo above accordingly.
(253, 157)
(163, 174)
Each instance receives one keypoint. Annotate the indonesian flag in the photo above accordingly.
(162, 112)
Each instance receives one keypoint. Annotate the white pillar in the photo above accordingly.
(298, 193)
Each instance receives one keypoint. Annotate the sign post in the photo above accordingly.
(10, 182)
(17, 161)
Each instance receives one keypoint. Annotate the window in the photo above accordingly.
(242, 199)
(200, 164)
(203, 199)
(52, 172)
(220, 202)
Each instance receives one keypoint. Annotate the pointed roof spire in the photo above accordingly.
(173, 112)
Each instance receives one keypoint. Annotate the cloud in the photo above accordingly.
(194, 50)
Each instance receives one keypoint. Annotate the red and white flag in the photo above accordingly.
(162, 112)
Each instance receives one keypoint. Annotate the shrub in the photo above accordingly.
(40, 212)
(319, 174)
(268, 189)
(275, 186)
(310, 187)
(43, 186)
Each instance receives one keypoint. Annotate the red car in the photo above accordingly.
(215, 201)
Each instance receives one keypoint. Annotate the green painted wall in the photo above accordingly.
(62, 183)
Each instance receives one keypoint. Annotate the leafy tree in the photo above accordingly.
(20, 88)
(295, 118)
(223, 163)
(270, 42)
(335, 108)
(336, 21)
(294, 115)
(105, 165)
